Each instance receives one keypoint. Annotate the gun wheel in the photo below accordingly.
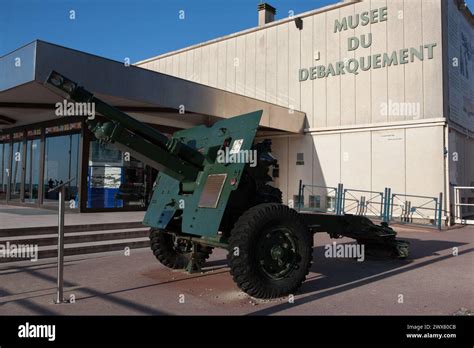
(270, 251)
(176, 253)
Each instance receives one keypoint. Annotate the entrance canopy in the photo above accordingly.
(149, 96)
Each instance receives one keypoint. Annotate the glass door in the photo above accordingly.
(4, 170)
(16, 171)
(61, 164)
(32, 170)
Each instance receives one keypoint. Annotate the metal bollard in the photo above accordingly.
(60, 274)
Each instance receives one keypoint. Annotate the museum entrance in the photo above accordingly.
(60, 166)
(37, 158)
(32, 167)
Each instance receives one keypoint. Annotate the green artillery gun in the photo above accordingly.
(203, 200)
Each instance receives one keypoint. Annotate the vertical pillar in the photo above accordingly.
(60, 273)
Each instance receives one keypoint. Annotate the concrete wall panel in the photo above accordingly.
(432, 79)
(333, 54)
(356, 160)
(231, 65)
(190, 65)
(319, 111)
(307, 60)
(294, 87)
(206, 57)
(396, 73)
(271, 66)
(241, 65)
(221, 64)
(213, 64)
(379, 82)
(282, 64)
(414, 71)
(260, 92)
(197, 65)
(424, 164)
(348, 92)
(388, 160)
(363, 94)
(182, 65)
(327, 156)
(250, 64)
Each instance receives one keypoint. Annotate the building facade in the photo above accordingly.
(386, 85)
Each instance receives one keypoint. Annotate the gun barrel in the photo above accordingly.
(169, 155)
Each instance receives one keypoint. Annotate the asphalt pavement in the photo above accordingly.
(438, 279)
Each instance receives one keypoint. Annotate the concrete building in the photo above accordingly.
(371, 94)
(387, 87)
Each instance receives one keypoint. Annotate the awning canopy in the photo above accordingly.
(149, 96)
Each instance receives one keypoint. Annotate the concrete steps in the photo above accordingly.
(78, 239)
(9, 232)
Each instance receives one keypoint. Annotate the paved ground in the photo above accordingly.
(16, 216)
(433, 281)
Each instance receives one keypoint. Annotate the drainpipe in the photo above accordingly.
(446, 174)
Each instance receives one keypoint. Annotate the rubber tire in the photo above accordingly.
(247, 230)
(162, 247)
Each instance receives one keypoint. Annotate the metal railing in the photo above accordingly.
(362, 202)
(417, 210)
(460, 217)
(329, 203)
(400, 208)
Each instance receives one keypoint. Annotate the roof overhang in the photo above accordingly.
(149, 96)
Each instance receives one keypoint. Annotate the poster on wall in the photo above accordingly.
(106, 177)
(461, 68)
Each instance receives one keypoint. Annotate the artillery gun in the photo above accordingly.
(201, 201)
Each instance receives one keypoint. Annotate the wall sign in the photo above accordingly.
(375, 61)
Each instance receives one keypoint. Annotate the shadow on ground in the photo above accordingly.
(337, 275)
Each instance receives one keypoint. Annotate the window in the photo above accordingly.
(330, 203)
(300, 159)
(115, 178)
(276, 171)
(315, 202)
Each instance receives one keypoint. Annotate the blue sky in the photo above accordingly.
(137, 29)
